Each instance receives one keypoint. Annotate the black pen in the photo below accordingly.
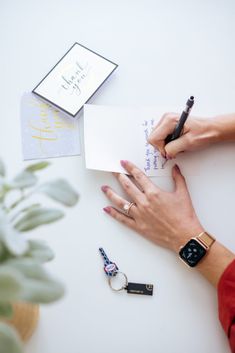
(180, 125)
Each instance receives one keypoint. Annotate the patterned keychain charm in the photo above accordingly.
(111, 270)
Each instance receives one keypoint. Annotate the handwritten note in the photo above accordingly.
(114, 133)
(153, 159)
(46, 132)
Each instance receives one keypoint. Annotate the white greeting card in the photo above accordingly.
(74, 79)
(46, 132)
(114, 133)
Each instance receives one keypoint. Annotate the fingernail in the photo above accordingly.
(168, 157)
(123, 163)
(177, 168)
(107, 209)
(104, 188)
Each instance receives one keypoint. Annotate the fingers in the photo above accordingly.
(177, 146)
(179, 179)
(165, 127)
(135, 183)
(120, 217)
(142, 180)
(129, 187)
(118, 201)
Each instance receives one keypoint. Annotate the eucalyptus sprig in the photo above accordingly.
(22, 275)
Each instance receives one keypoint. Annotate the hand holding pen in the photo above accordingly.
(180, 124)
(174, 133)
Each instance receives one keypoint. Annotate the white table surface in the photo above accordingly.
(167, 50)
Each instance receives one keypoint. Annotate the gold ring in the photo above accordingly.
(127, 207)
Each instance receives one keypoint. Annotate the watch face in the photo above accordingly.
(192, 252)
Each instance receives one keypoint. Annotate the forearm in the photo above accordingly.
(226, 302)
(223, 128)
(215, 262)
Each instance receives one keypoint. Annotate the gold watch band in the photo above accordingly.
(205, 239)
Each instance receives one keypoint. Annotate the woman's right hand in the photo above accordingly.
(197, 133)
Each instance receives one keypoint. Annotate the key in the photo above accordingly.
(110, 268)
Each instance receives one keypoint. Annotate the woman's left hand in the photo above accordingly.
(166, 218)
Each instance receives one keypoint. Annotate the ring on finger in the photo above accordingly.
(127, 207)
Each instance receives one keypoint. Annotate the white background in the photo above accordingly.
(167, 50)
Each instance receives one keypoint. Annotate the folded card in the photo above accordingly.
(46, 132)
(74, 79)
(113, 133)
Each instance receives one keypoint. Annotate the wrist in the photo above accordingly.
(203, 132)
(223, 128)
(215, 263)
(186, 235)
(217, 128)
(211, 131)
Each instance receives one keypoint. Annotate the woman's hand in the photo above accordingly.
(166, 218)
(197, 133)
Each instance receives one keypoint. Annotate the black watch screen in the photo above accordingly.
(192, 252)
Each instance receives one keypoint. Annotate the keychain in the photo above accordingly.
(111, 270)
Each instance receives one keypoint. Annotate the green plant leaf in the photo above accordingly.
(31, 207)
(2, 168)
(2, 251)
(39, 251)
(6, 310)
(38, 285)
(15, 242)
(42, 291)
(4, 188)
(24, 180)
(38, 217)
(23, 210)
(37, 166)
(10, 284)
(60, 190)
(9, 340)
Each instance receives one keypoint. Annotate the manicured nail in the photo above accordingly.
(123, 163)
(177, 168)
(104, 188)
(166, 156)
(107, 209)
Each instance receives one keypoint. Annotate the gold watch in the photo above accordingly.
(196, 248)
